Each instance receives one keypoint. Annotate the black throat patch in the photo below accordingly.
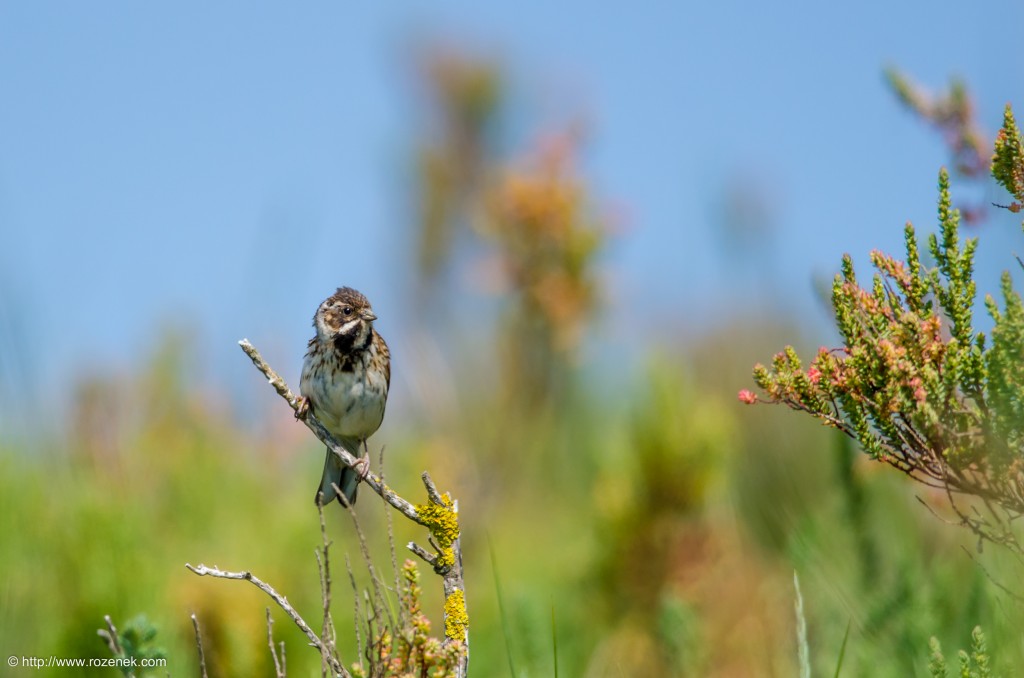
(348, 351)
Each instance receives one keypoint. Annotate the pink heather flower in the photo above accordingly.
(813, 375)
(747, 397)
(920, 395)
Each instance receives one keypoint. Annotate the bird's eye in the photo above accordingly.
(347, 310)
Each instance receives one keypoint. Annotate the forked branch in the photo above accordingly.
(282, 602)
(439, 514)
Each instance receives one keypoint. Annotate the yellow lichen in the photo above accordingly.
(443, 523)
(456, 620)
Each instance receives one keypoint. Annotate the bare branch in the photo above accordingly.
(324, 566)
(425, 555)
(391, 546)
(110, 635)
(372, 481)
(440, 516)
(379, 597)
(282, 602)
(356, 610)
(279, 667)
(199, 646)
(432, 492)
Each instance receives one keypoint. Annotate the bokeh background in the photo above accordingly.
(580, 226)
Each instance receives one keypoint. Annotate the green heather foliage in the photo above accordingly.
(137, 640)
(914, 383)
(952, 114)
(640, 526)
(975, 664)
(901, 385)
(1008, 160)
(922, 390)
(937, 667)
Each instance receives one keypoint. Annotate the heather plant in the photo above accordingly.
(642, 529)
(133, 645)
(952, 114)
(465, 95)
(975, 664)
(914, 382)
(530, 222)
(405, 648)
(1008, 161)
(546, 235)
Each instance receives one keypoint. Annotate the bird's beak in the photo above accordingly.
(369, 316)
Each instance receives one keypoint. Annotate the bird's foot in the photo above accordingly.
(302, 407)
(362, 467)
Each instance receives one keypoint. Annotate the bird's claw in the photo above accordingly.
(362, 467)
(301, 407)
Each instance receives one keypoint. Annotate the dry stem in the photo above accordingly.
(199, 646)
(452, 576)
(280, 670)
(282, 602)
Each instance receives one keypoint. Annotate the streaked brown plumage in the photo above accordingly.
(345, 379)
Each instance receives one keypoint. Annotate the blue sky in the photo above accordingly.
(226, 165)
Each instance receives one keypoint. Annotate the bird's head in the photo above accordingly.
(345, 318)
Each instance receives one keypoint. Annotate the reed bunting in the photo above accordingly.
(345, 380)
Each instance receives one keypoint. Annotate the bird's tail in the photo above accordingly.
(336, 473)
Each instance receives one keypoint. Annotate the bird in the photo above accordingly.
(346, 374)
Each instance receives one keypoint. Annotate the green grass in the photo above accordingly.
(645, 539)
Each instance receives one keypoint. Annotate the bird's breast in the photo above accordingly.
(347, 397)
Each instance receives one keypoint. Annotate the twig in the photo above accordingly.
(110, 635)
(391, 547)
(372, 481)
(454, 586)
(427, 557)
(279, 667)
(1016, 596)
(356, 610)
(456, 628)
(324, 565)
(282, 602)
(323, 627)
(199, 646)
(379, 597)
(432, 492)
(372, 614)
(952, 523)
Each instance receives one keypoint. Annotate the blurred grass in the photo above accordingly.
(662, 530)
(651, 524)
